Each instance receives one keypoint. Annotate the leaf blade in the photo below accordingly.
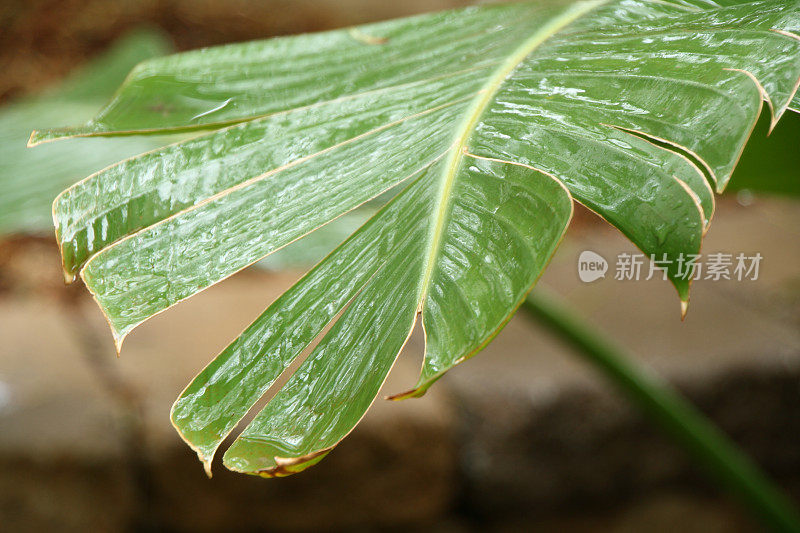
(579, 99)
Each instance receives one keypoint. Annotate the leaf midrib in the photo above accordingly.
(471, 118)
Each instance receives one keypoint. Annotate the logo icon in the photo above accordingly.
(591, 266)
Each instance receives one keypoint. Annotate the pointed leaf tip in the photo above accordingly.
(69, 277)
(413, 393)
(118, 340)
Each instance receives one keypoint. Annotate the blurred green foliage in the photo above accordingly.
(30, 178)
(771, 164)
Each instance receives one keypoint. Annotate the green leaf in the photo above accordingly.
(486, 123)
(31, 179)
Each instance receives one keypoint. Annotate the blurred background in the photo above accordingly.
(523, 436)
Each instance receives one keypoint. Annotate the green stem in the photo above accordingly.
(674, 414)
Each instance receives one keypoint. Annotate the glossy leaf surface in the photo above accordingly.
(485, 123)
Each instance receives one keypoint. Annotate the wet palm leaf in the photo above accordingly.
(487, 123)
